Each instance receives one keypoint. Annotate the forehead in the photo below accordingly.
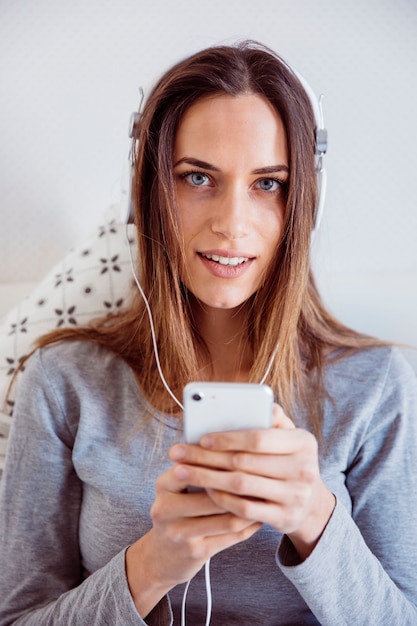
(222, 126)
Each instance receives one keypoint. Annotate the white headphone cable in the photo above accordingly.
(158, 365)
(208, 595)
(148, 309)
(164, 382)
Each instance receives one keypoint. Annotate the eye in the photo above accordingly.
(269, 184)
(196, 179)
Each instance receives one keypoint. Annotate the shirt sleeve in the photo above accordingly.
(363, 569)
(41, 574)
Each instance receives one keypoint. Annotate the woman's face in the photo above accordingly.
(231, 170)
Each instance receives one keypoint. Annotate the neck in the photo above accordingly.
(224, 332)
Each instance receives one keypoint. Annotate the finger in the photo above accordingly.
(238, 483)
(204, 546)
(276, 514)
(173, 501)
(217, 543)
(266, 441)
(196, 455)
(211, 526)
(188, 504)
(275, 465)
(287, 467)
(259, 476)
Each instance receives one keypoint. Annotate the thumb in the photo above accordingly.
(279, 419)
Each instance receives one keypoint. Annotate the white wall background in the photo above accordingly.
(69, 77)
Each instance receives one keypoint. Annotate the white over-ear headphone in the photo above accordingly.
(127, 210)
(321, 146)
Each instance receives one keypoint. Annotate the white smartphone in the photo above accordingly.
(211, 407)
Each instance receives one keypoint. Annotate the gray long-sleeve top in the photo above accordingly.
(79, 484)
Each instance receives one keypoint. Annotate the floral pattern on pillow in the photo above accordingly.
(92, 280)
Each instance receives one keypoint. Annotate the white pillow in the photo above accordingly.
(91, 280)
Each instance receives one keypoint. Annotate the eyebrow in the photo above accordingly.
(269, 169)
(197, 163)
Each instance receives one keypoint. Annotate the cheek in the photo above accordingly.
(184, 219)
(190, 221)
(188, 228)
(271, 228)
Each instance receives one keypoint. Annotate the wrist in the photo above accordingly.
(145, 585)
(306, 537)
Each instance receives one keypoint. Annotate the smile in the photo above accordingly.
(225, 260)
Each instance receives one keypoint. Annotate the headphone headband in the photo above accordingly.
(127, 211)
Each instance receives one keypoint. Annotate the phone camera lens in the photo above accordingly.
(197, 397)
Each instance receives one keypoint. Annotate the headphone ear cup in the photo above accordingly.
(321, 146)
(127, 213)
(321, 185)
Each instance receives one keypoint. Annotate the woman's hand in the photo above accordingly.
(188, 528)
(272, 476)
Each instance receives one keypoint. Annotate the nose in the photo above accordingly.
(231, 216)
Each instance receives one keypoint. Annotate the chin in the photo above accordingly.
(221, 298)
(226, 303)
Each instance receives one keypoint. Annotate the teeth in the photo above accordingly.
(225, 260)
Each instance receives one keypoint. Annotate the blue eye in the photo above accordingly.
(269, 184)
(197, 179)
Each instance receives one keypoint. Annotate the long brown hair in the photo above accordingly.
(287, 310)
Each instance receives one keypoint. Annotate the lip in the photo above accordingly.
(228, 253)
(226, 271)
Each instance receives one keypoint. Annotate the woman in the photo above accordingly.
(311, 521)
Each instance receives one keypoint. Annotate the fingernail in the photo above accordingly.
(178, 453)
(207, 441)
(181, 472)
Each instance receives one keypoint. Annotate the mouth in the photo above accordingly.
(225, 260)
